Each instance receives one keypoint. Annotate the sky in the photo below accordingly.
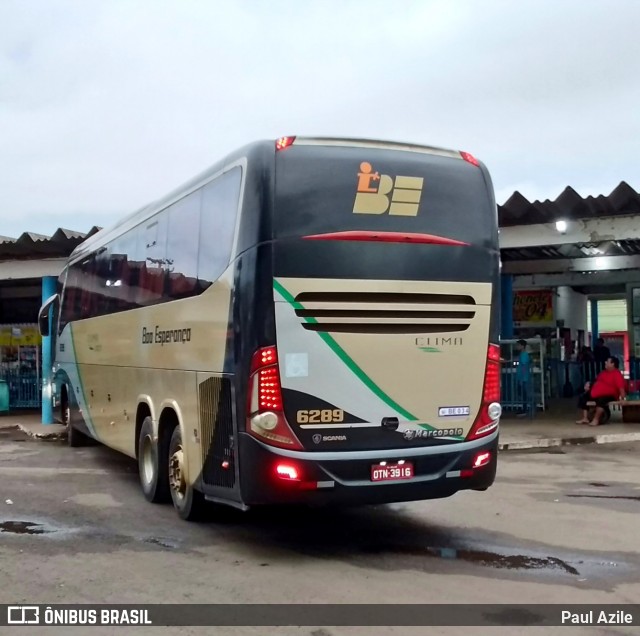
(108, 105)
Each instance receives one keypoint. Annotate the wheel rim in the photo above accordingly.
(176, 474)
(148, 468)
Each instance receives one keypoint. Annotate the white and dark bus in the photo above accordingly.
(309, 321)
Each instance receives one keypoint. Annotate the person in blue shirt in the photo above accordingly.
(523, 378)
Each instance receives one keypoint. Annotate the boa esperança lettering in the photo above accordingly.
(165, 336)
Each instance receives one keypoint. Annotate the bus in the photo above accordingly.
(310, 321)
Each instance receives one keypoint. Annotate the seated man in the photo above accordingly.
(608, 387)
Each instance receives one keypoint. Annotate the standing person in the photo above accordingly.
(523, 377)
(608, 387)
(601, 353)
(585, 358)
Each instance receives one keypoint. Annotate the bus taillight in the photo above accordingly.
(265, 409)
(481, 459)
(467, 156)
(490, 410)
(287, 471)
(284, 142)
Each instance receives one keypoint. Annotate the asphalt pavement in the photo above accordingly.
(559, 526)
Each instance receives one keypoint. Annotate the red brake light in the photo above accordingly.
(487, 422)
(287, 471)
(470, 158)
(266, 419)
(481, 459)
(269, 389)
(385, 237)
(284, 142)
(264, 358)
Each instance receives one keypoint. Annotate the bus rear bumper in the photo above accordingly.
(270, 478)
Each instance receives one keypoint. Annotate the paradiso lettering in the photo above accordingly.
(165, 336)
(379, 193)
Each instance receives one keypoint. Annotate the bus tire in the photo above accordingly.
(75, 438)
(188, 502)
(152, 465)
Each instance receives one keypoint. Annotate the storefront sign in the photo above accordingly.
(533, 306)
(20, 336)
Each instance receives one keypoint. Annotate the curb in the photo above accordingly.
(550, 442)
(42, 433)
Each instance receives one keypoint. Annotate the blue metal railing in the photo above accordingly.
(517, 393)
(567, 379)
(24, 388)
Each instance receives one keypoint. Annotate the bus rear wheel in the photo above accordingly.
(188, 502)
(152, 464)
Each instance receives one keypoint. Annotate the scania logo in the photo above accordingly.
(317, 438)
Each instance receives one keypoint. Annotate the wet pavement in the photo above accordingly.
(558, 526)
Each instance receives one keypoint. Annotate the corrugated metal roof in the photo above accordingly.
(517, 210)
(572, 250)
(30, 245)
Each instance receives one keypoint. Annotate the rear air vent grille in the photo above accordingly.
(385, 297)
(216, 419)
(385, 313)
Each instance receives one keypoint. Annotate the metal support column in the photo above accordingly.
(506, 299)
(595, 333)
(48, 290)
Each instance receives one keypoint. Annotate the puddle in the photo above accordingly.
(481, 557)
(627, 497)
(24, 527)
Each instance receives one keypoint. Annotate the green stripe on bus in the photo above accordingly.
(344, 356)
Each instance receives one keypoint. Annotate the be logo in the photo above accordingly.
(379, 193)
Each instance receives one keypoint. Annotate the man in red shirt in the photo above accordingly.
(608, 387)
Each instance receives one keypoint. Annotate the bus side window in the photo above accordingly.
(150, 264)
(102, 287)
(220, 200)
(90, 290)
(182, 246)
(70, 295)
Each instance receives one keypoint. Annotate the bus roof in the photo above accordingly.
(142, 214)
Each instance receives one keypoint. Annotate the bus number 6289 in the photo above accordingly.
(318, 416)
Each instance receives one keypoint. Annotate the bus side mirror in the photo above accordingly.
(45, 313)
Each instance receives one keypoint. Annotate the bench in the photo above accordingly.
(629, 411)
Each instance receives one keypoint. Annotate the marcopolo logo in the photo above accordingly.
(379, 193)
(413, 434)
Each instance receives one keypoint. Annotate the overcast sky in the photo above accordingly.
(106, 105)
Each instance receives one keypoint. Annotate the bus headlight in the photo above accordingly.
(494, 410)
(266, 421)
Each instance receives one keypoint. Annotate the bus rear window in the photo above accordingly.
(327, 190)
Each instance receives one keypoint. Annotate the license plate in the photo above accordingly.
(391, 472)
(453, 411)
